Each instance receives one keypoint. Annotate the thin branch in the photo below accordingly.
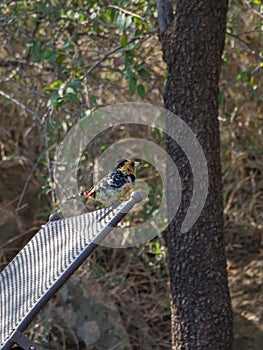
(8, 205)
(96, 64)
(257, 13)
(11, 75)
(115, 49)
(27, 183)
(21, 105)
(253, 10)
(14, 62)
(244, 43)
(126, 12)
(13, 239)
(105, 24)
(49, 167)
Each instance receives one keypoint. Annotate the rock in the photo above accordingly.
(85, 310)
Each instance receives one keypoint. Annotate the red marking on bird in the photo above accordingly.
(115, 186)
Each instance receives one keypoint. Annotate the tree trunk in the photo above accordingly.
(200, 301)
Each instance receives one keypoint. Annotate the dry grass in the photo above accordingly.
(137, 279)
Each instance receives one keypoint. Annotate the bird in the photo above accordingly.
(115, 186)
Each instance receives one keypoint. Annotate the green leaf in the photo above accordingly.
(55, 101)
(139, 67)
(132, 84)
(56, 84)
(128, 21)
(61, 89)
(71, 94)
(144, 73)
(245, 77)
(35, 51)
(123, 41)
(75, 84)
(70, 90)
(67, 45)
(121, 20)
(139, 24)
(60, 59)
(50, 55)
(141, 91)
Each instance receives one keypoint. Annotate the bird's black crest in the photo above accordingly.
(121, 163)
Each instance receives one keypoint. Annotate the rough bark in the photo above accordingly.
(200, 302)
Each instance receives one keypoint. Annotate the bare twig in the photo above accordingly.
(252, 9)
(8, 205)
(115, 49)
(10, 75)
(126, 12)
(105, 24)
(21, 105)
(49, 167)
(244, 43)
(257, 13)
(96, 64)
(27, 183)
(20, 63)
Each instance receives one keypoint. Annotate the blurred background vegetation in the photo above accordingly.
(60, 61)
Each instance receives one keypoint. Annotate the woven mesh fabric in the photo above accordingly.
(54, 250)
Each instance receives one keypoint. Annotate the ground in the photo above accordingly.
(129, 288)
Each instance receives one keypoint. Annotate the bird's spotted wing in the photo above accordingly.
(117, 179)
(112, 187)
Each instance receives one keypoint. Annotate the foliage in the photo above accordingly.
(59, 60)
(70, 44)
(241, 113)
(62, 59)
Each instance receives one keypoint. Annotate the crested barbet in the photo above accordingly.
(115, 186)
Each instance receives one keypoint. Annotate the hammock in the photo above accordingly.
(45, 263)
